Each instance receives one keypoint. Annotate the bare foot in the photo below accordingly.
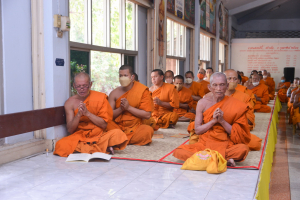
(231, 162)
(110, 150)
(171, 126)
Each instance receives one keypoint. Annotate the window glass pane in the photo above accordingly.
(115, 23)
(221, 52)
(175, 28)
(204, 47)
(99, 22)
(77, 17)
(169, 27)
(80, 61)
(171, 64)
(105, 71)
(130, 22)
(181, 40)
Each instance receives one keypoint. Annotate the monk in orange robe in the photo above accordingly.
(261, 95)
(296, 116)
(270, 83)
(290, 105)
(244, 78)
(88, 113)
(185, 100)
(245, 90)
(201, 74)
(282, 90)
(169, 76)
(232, 80)
(196, 88)
(221, 124)
(131, 103)
(165, 98)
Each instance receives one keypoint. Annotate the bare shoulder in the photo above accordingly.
(71, 103)
(115, 93)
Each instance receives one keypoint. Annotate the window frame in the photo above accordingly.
(171, 55)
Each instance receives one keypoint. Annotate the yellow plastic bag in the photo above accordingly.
(209, 160)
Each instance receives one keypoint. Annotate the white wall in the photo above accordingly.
(56, 77)
(17, 69)
(273, 55)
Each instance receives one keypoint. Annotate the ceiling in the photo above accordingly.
(246, 10)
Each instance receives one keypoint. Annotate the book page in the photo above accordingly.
(78, 157)
(101, 156)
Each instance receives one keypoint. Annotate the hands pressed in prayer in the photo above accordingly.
(82, 110)
(218, 116)
(157, 101)
(124, 104)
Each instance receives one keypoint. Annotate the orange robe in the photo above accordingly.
(291, 109)
(185, 97)
(282, 92)
(197, 90)
(247, 100)
(271, 87)
(89, 138)
(216, 138)
(261, 91)
(164, 116)
(246, 91)
(137, 133)
(244, 79)
(296, 115)
(204, 84)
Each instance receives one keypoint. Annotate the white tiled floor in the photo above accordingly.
(41, 177)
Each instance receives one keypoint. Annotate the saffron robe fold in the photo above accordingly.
(164, 116)
(271, 87)
(246, 91)
(137, 133)
(296, 115)
(261, 91)
(197, 90)
(244, 79)
(246, 99)
(185, 97)
(204, 87)
(89, 138)
(282, 92)
(216, 138)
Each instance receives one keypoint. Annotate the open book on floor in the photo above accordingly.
(86, 157)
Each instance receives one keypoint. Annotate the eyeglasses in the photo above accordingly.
(82, 86)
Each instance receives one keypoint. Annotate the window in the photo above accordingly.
(106, 23)
(175, 39)
(107, 31)
(204, 48)
(221, 57)
(173, 65)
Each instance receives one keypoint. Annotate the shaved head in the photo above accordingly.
(82, 75)
(231, 71)
(217, 74)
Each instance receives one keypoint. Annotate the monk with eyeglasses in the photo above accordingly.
(87, 115)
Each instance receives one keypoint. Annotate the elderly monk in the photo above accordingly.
(131, 103)
(169, 76)
(196, 88)
(221, 124)
(282, 90)
(270, 83)
(165, 98)
(185, 100)
(204, 83)
(88, 113)
(261, 94)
